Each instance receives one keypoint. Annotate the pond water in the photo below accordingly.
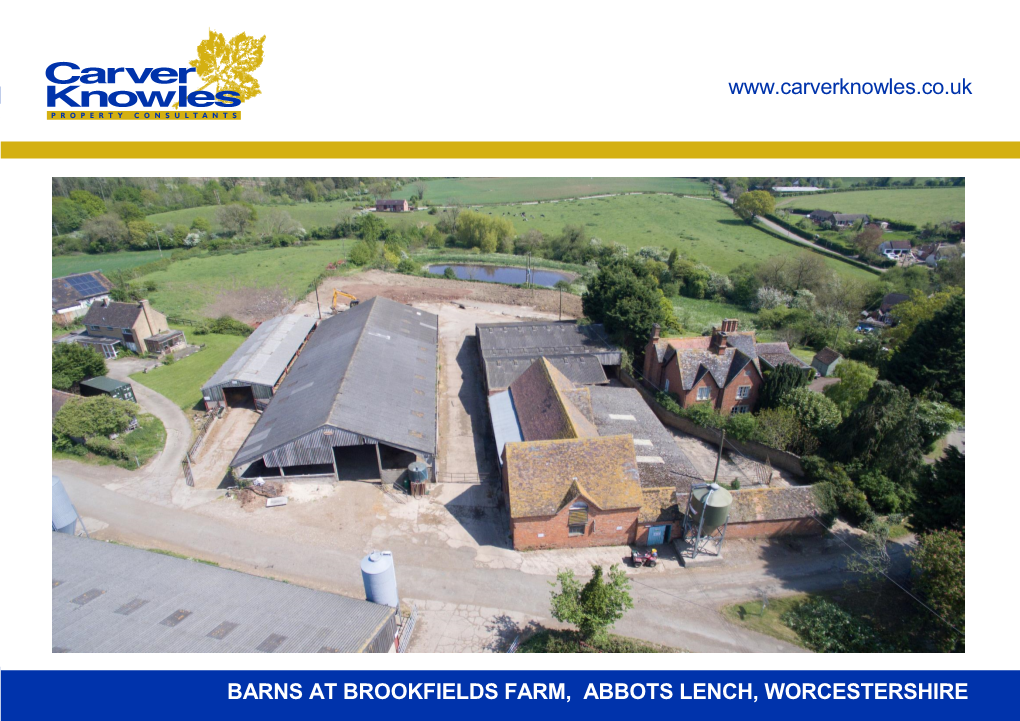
(503, 274)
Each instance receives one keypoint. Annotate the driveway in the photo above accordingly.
(161, 480)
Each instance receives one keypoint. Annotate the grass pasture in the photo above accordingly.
(703, 230)
(188, 287)
(107, 262)
(182, 381)
(495, 191)
(918, 206)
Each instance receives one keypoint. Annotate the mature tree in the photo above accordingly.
(778, 383)
(883, 433)
(370, 227)
(277, 221)
(75, 363)
(754, 203)
(933, 357)
(96, 416)
(67, 215)
(201, 224)
(626, 300)
(236, 218)
(780, 428)
(868, 239)
(486, 232)
(594, 607)
(939, 495)
(808, 271)
(940, 563)
(91, 204)
(530, 241)
(919, 308)
(104, 232)
(818, 414)
(855, 380)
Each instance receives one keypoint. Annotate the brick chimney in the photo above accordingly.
(729, 325)
(655, 333)
(718, 343)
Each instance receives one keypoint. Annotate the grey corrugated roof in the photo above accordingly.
(370, 370)
(505, 426)
(266, 353)
(104, 383)
(128, 593)
(581, 369)
(613, 408)
(508, 349)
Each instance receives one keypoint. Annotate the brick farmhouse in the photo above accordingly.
(724, 369)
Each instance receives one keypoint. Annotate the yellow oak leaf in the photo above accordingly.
(229, 65)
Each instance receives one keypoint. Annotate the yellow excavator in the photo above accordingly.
(352, 301)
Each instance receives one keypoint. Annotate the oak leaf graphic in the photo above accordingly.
(229, 65)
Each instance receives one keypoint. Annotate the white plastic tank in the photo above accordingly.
(379, 578)
(64, 515)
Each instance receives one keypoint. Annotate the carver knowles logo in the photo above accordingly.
(225, 69)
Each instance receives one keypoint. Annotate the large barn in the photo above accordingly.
(362, 392)
(250, 375)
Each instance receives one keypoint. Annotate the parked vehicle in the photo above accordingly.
(644, 558)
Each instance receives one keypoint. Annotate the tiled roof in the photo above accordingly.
(544, 476)
(66, 295)
(850, 216)
(892, 299)
(59, 399)
(773, 504)
(826, 355)
(659, 505)
(777, 354)
(112, 315)
(547, 405)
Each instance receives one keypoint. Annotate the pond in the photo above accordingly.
(504, 274)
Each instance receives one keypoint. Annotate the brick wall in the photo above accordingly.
(605, 528)
(747, 377)
(770, 529)
(641, 535)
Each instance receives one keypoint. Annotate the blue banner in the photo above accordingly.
(498, 695)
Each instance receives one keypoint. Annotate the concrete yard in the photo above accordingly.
(224, 438)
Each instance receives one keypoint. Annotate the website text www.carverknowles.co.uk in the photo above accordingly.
(847, 87)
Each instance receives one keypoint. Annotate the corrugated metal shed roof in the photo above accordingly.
(505, 427)
(111, 598)
(104, 383)
(266, 353)
(370, 370)
(581, 369)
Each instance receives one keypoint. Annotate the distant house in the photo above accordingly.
(73, 294)
(895, 248)
(724, 369)
(795, 189)
(135, 326)
(392, 206)
(825, 361)
(837, 220)
(944, 252)
(890, 301)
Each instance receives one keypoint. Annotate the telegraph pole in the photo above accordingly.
(722, 440)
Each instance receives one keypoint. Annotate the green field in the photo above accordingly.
(706, 231)
(107, 262)
(698, 316)
(932, 205)
(188, 287)
(478, 191)
(182, 381)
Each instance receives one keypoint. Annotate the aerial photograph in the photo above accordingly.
(508, 415)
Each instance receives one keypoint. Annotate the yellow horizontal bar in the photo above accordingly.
(150, 115)
(11, 150)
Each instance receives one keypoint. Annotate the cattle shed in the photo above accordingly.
(251, 374)
(109, 598)
(580, 352)
(361, 393)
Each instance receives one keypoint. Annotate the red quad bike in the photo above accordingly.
(644, 558)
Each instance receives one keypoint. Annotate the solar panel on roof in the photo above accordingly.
(86, 285)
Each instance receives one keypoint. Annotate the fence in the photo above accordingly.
(404, 637)
(474, 478)
(203, 431)
(514, 644)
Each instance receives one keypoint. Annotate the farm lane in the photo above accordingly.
(787, 234)
(161, 480)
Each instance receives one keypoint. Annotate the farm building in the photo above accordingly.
(109, 598)
(772, 512)
(104, 386)
(825, 361)
(580, 352)
(838, 220)
(392, 206)
(585, 465)
(724, 369)
(250, 376)
(362, 391)
(73, 294)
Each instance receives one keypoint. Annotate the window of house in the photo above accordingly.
(667, 385)
(739, 409)
(577, 519)
(704, 393)
(743, 391)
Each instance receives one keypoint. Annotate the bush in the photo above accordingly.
(742, 426)
(818, 413)
(105, 447)
(408, 267)
(824, 627)
(669, 401)
(450, 273)
(849, 500)
(225, 325)
(704, 415)
(361, 254)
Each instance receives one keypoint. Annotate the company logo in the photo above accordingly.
(225, 69)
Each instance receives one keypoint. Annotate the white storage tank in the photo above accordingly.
(379, 578)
